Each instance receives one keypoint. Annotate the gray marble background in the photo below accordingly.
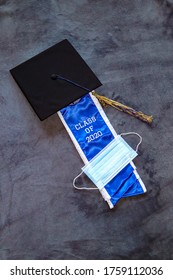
(129, 45)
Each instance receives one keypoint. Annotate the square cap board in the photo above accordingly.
(47, 94)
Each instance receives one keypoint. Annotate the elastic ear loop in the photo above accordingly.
(85, 188)
(82, 188)
(135, 133)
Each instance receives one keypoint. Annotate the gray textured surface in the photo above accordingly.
(129, 45)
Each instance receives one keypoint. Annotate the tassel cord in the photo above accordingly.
(123, 108)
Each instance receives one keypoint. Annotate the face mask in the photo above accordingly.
(109, 162)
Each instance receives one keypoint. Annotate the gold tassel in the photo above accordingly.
(121, 107)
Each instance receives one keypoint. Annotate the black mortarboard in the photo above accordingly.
(54, 78)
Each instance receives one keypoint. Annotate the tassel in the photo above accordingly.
(121, 107)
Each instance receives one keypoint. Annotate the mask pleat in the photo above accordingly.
(109, 162)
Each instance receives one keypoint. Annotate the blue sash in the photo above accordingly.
(91, 131)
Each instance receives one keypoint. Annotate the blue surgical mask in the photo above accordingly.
(109, 162)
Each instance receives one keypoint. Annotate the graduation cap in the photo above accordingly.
(54, 78)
